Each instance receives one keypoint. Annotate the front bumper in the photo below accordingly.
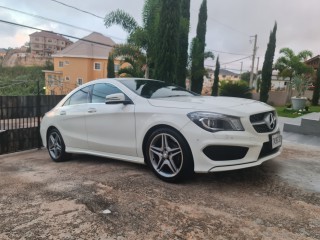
(254, 142)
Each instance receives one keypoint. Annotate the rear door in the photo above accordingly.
(71, 122)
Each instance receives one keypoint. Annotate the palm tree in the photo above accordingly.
(133, 59)
(291, 64)
(143, 37)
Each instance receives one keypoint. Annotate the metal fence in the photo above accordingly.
(20, 118)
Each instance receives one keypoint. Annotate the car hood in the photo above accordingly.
(240, 106)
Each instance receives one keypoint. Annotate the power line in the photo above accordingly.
(236, 60)
(227, 26)
(231, 53)
(65, 35)
(56, 21)
(233, 69)
(92, 14)
(223, 24)
(78, 9)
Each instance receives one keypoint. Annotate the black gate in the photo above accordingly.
(19, 121)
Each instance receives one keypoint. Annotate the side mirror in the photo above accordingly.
(116, 98)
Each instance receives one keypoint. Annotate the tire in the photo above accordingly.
(56, 146)
(169, 155)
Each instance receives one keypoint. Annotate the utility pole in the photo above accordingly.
(38, 113)
(241, 69)
(253, 58)
(257, 70)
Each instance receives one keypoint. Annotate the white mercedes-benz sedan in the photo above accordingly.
(175, 131)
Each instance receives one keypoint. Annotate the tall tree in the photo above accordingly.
(215, 86)
(168, 37)
(316, 90)
(291, 64)
(267, 66)
(183, 43)
(197, 51)
(110, 66)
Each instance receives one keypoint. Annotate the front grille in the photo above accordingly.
(224, 153)
(267, 150)
(259, 124)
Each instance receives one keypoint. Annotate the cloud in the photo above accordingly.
(229, 26)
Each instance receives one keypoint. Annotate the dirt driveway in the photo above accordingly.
(40, 199)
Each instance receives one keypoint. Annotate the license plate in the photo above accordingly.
(276, 140)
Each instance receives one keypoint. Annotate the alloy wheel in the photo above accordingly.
(55, 145)
(166, 155)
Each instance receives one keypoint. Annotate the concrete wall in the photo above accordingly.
(278, 98)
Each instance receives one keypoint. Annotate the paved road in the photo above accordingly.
(40, 199)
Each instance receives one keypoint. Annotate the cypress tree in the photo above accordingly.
(183, 43)
(267, 66)
(197, 52)
(167, 45)
(215, 86)
(110, 67)
(316, 90)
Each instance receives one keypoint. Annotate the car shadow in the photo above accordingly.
(267, 172)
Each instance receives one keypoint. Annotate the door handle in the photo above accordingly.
(63, 113)
(92, 110)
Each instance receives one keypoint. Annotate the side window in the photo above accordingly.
(81, 96)
(101, 90)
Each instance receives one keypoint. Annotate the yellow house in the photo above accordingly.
(79, 63)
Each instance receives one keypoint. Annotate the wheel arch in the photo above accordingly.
(156, 127)
(48, 131)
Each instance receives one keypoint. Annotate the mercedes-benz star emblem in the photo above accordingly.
(270, 120)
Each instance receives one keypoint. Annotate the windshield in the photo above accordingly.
(155, 89)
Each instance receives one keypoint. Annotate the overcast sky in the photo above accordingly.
(229, 27)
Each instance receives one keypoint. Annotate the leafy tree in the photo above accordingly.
(19, 81)
(235, 89)
(215, 86)
(197, 50)
(290, 64)
(110, 66)
(183, 43)
(258, 84)
(133, 58)
(144, 36)
(168, 36)
(267, 66)
(316, 91)
(245, 77)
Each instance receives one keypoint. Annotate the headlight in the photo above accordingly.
(214, 122)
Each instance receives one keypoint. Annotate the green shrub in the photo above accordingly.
(235, 89)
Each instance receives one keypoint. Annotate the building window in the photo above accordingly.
(79, 81)
(51, 92)
(49, 40)
(97, 66)
(51, 80)
(37, 39)
(67, 78)
(60, 63)
(66, 62)
(60, 82)
(116, 67)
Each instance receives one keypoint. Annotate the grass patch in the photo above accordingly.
(287, 112)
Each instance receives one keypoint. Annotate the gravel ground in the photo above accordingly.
(40, 199)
